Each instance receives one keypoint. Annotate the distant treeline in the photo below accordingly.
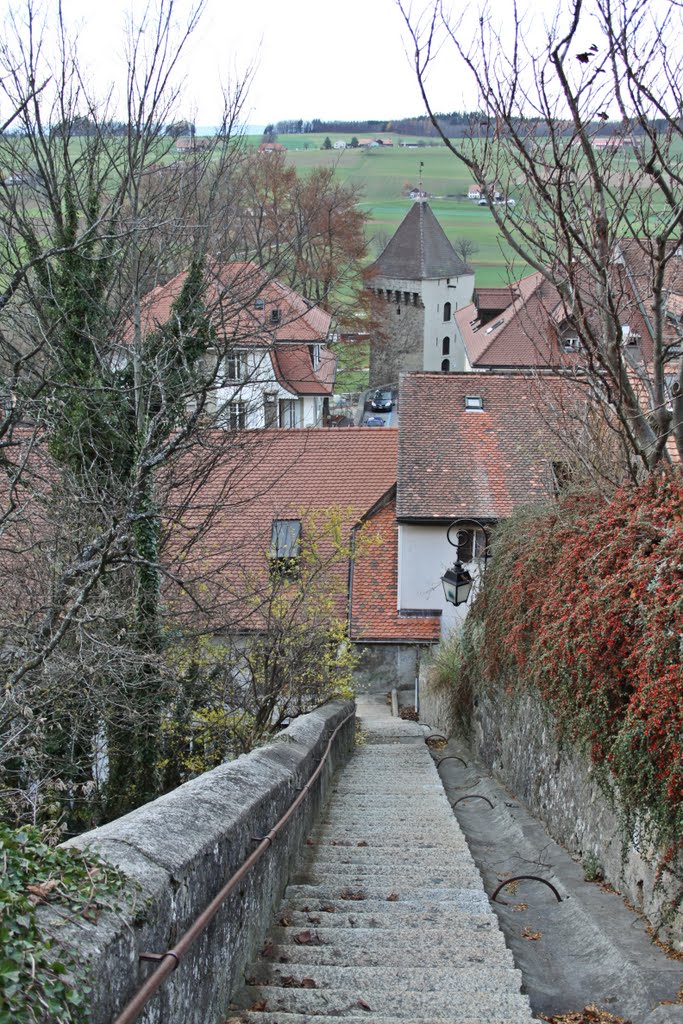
(453, 125)
(421, 126)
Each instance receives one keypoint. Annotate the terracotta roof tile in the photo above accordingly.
(294, 370)
(373, 615)
(458, 462)
(282, 474)
(231, 293)
(523, 334)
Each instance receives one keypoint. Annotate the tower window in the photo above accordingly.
(445, 365)
(446, 311)
(446, 347)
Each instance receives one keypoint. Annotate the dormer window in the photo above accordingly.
(315, 356)
(275, 316)
(259, 303)
(629, 338)
(285, 547)
(474, 403)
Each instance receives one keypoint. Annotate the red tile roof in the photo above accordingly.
(522, 336)
(482, 464)
(231, 293)
(283, 474)
(373, 614)
(294, 370)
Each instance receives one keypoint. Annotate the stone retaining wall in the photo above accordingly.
(515, 738)
(180, 850)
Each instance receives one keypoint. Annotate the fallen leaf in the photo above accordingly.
(303, 938)
(589, 1015)
(519, 906)
(285, 922)
(260, 1007)
(362, 843)
(40, 893)
(329, 910)
(267, 949)
(352, 894)
(310, 842)
(290, 981)
(363, 1005)
(531, 936)
(392, 897)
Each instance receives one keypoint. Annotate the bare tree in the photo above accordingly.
(599, 216)
(99, 405)
(466, 248)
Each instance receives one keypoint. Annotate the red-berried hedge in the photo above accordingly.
(584, 600)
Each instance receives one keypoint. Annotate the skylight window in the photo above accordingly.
(498, 323)
(474, 403)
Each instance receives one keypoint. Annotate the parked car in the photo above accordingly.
(382, 400)
(374, 421)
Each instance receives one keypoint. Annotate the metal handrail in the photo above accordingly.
(169, 960)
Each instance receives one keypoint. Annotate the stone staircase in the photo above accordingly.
(386, 919)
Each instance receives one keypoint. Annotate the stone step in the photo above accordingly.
(452, 1005)
(380, 891)
(333, 856)
(400, 877)
(331, 836)
(248, 1017)
(397, 978)
(365, 947)
(422, 908)
(346, 806)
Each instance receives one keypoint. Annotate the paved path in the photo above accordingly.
(386, 918)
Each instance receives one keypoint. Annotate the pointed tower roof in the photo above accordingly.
(419, 250)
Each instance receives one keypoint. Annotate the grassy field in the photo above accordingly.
(383, 175)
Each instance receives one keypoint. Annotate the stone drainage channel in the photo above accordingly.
(590, 948)
(386, 919)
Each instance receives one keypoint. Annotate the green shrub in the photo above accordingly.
(38, 980)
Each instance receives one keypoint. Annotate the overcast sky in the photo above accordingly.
(312, 58)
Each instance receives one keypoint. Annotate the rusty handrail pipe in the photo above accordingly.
(169, 960)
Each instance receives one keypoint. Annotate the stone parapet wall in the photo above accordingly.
(179, 851)
(514, 737)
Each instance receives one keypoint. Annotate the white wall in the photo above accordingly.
(424, 554)
(435, 294)
(260, 378)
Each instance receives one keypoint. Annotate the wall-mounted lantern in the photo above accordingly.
(457, 581)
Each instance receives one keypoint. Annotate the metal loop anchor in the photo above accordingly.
(451, 757)
(533, 878)
(156, 957)
(472, 796)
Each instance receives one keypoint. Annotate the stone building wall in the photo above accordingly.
(401, 348)
(514, 737)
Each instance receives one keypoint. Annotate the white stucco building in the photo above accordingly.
(271, 365)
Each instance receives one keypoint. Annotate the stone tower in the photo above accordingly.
(419, 283)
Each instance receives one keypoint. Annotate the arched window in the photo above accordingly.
(445, 365)
(446, 347)
(446, 311)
